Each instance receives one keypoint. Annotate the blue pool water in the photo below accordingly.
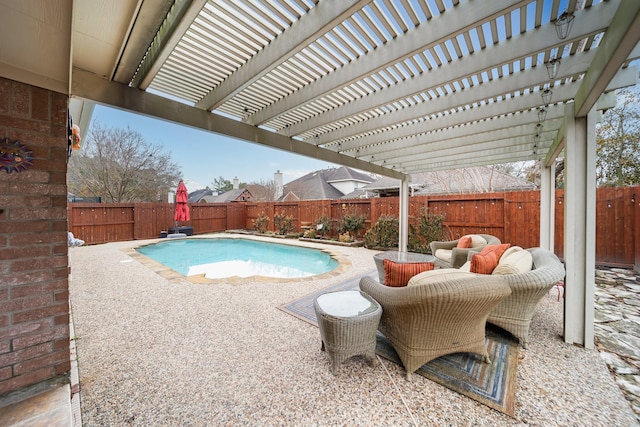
(218, 258)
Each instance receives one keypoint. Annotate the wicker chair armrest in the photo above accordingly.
(442, 245)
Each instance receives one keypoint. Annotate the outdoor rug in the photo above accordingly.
(493, 385)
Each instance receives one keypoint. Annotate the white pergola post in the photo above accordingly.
(579, 227)
(403, 237)
(547, 205)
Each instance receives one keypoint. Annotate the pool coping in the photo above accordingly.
(174, 277)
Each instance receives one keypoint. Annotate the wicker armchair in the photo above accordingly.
(527, 289)
(458, 255)
(423, 322)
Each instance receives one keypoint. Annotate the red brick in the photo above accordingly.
(24, 252)
(60, 250)
(60, 344)
(37, 188)
(40, 104)
(20, 304)
(45, 337)
(5, 346)
(27, 278)
(60, 226)
(15, 331)
(40, 313)
(59, 110)
(5, 373)
(5, 96)
(20, 97)
(25, 125)
(59, 201)
(25, 202)
(63, 319)
(4, 320)
(58, 177)
(15, 227)
(35, 289)
(25, 380)
(25, 354)
(39, 264)
(63, 367)
(4, 294)
(38, 239)
(40, 362)
(61, 296)
(36, 214)
(53, 165)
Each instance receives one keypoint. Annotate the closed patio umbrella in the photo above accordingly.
(182, 207)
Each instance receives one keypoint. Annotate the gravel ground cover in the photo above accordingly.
(153, 351)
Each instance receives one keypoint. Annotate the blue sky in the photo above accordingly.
(204, 156)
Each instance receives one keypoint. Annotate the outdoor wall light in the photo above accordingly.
(552, 67)
(563, 25)
(546, 97)
(542, 114)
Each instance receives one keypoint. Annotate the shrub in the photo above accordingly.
(383, 234)
(430, 228)
(326, 225)
(283, 223)
(261, 223)
(351, 223)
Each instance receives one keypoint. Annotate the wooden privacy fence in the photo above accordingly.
(513, 217)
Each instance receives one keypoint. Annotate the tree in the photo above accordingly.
(120, 166)
(263, 190)
(221, 185)
(618, 143)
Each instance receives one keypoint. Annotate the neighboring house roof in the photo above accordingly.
(317, 185)
(235, 195)
(480, 179)
(197, 195)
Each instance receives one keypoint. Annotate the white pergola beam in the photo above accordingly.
(617, 44)
(91, 87)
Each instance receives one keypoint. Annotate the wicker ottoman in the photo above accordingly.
(348, 321)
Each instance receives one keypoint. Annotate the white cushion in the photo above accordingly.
(466, 267)
(509, 251)
(438, 275)
(443, 254)
(516, 262)
(477, 241)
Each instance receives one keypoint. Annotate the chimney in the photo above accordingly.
(277, 177)
(236, 183)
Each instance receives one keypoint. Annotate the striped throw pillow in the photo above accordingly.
(397, 274)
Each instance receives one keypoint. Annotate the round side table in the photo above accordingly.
(348, 321)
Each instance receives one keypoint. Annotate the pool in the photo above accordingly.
(220, 258)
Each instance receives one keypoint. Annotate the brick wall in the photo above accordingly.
(34, 292)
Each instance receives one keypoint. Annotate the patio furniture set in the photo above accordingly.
(438, 311)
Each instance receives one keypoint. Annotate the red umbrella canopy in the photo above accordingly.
(182, 208)
(182, 196)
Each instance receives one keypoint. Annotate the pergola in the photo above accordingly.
(386, 86)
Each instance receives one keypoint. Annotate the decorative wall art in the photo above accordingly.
(14, 156)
